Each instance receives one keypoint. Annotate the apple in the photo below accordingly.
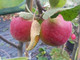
(56, 31)
(20, 29)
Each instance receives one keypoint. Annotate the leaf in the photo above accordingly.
(56, 54)
(35, 32)
(26, 15)
(40, 21)
(42, 49)
(53, 3)
(40, 54)
(51, 12)
(33, 10)
(42, 58)
(57, 3)
(20, 58)
(76, 1)
(69, 14)
(9, 3)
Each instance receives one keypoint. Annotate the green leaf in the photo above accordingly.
(9, 3)
(56, 54)
(40, 54)
(51, 12)
(42, 58)
(43, 52)
(42, 49)
(57, 3)
(70, 14)
(72, 42)
(26, 15)
(33, 10)
(21, 58)
(53, 3)
(40, 21)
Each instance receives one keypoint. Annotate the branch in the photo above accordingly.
(74, 50)
(28, 3)
(31, 5)
(9, 42)
(40, 8)
(79, 37)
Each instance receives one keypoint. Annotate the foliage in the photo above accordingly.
(41, 55)
(57, 55)
(20, 58)
(42, 58)
(68, 14)
(57, 3)
(9, 3)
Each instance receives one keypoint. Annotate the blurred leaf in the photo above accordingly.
(51, 12)
(57, 3)
(72, 42)
(53, 3)
(26, 15)
(9, 3)
(39, 55)
(35, 32)
(76, 1)
(33, 10)
(40, 21)
(21, 58)
(41, 49)
(56, 54)
(42, 58)
(5, 29)
(70, 14)
(11, 6)
(43, 52)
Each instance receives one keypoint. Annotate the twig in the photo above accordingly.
(31, 5)
(40, 8)
(28, 3)
(76, 43)
(63, 46)
(79, 37)
(20, 50)
(28, 9)
(5, 52)
(12, 44)
(74, 50)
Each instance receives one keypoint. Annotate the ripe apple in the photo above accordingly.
(20, 29)
(55, 31)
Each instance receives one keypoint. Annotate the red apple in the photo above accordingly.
(55, 31)
(20, 29)
(73, 36)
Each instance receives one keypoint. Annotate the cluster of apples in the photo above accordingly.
(54, 32)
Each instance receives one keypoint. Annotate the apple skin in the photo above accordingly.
(20, 29)
(56, 32)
